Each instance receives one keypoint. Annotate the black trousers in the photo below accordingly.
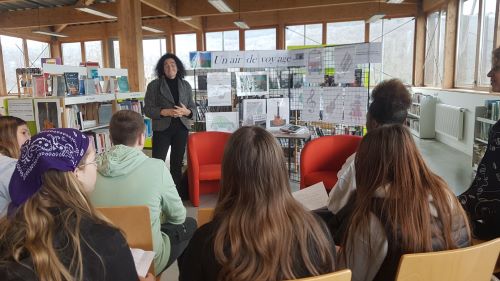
(176, 136)
(180, 235)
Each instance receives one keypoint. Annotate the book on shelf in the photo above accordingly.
(72, 83)
(149, 128)
(493, 109)
(101, 139)
(56, 60)
(123, 84)
(113, 86)
(105, 112)
(58, 86)
(39, 86)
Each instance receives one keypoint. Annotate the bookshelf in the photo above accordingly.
(484, 118)
(421, 116)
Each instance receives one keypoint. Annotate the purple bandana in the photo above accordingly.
(55, 149)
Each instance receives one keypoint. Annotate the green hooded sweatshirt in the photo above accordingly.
(129, 177)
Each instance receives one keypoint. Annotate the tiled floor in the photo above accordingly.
(452, 165)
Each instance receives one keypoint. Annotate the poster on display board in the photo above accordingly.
(247, 59)
(219, 89)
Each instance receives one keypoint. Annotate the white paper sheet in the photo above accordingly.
(21, 108)
(355, 105)
(333, 104)
(344, 63)
(312, 99)
(253, 109)
(252, 83)
(312, 197)
(142, 260)
(278, 113)
(222, 121)
(219, 89)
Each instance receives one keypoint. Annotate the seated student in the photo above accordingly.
(389, 105)
(52, 232)
(13, 133)
(482, 199)
(127, 176)
(400, 207)
(259, 232)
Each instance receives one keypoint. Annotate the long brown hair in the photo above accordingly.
(388, 158)
(8, 136)
(262, 230)
(33, 226)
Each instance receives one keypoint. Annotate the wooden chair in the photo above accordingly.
(205, 215)
(135, 223)
(471, 263)
(342, 275)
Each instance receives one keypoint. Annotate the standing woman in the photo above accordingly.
(169, 103)
(482, 200)
(13, 133)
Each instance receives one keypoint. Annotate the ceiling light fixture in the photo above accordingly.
(96, 13)
(151, 29)
(395, 1)
(49, 33)
(184, 18)
(221, 6)
(375, 18)
(241, 24)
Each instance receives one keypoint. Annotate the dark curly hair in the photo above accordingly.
(181, 71)
(390, 102)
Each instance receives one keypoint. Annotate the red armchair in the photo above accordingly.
(205, 150)
(322, 158)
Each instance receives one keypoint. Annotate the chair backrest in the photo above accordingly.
(471, 263)
(342, 275)
(205, 215)
(134, 221)
(327, 153)
(207, 147)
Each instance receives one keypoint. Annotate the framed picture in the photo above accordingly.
(252, 83)
(47, 114)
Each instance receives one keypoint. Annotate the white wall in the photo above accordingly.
(463, 99)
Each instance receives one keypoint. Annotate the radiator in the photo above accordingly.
(450, 120)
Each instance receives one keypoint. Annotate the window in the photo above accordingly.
(434, 49)
(13, 58)
(93, 52)
(152, 50)
(36, 51)
(397, 37)
(345, 32)
(260, 39)
(302, 35)
(72, 53)
(185, 43)
(116, 53)
(475, 42)
(223, 41)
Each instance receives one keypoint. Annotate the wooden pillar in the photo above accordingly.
(367, 32)
(497, 29)
(55, 49)
(25, 53)
(3, 84)
(107, 46)
(419, 54)
(450, 44)
(280, 33)
(323, 37)
(82, 50)
(242, 40)
(130, 36)
(200, 41)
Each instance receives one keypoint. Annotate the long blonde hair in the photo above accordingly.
(388, 158)
(59, 206)
(261, 229)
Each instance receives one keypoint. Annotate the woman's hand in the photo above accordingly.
(149, 277)
(182, 110)
(168, 112)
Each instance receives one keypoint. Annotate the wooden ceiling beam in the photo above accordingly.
(203, 8)
(432, 5)
(169, 7)
(310, 15)
(60, 16)
(60, 27)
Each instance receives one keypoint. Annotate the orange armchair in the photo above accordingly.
(205, 150)
(322, 158)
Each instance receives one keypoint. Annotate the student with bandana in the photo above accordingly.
(52, 232)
